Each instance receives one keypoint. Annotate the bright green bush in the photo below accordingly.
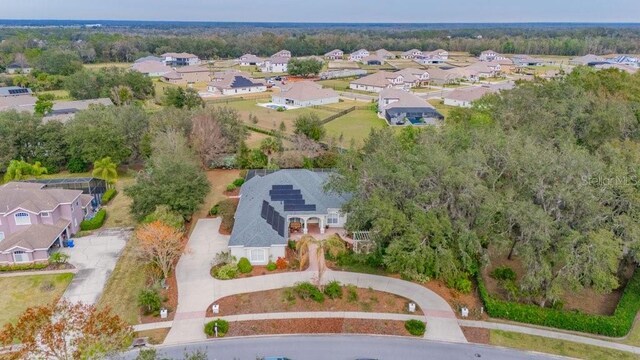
(462, 284)
(231, 187)
(352, 294)
(215, 209)
(23, 267)
(223, 327)
(238, 182)
(96, 222)
(333, 290)
(58, 258)
(226, 272)
(306, 291)
(415, 327)
(503, 273)
(150, 300)
(271, 266)
(244, 266)
(617, 325)
(108, 195)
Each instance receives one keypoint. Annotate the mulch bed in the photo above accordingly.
(272, 301)
(457, 300)
(476, 335)
(235, 192)
(317, 326)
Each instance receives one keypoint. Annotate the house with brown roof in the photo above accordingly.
(400, 107)
(478, 70)
(465, 97)
(359, 55)
(34, 219)
(414, 77)
(282, 54)
(490, 55)
(385, 54)
(180, 59)
(411, 54)
(250, 60)
(305, 93)
(151, 68)
(377, 82)
(234, 83)
(188, 75)
(439, 76)
(335, 54)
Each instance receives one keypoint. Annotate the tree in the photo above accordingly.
(310, 126)
(20, 170)
(161, 245)
(59, 62)
(333, 245)
(304, 67)
(150, 300)
(121, 95)
(44, 104)
(181, 98)
(105, 169)
(216, 132)
(165, 215)
(271, 146)
(67, 331)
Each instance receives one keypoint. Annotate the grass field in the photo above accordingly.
(554, 346)
(104, 65)
(118, 209)
(336, 84)
(22, 292)
(59, 94)
(354, 126)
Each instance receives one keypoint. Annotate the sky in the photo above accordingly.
(394, 11)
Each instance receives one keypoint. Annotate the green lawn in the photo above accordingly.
(118, 209)
(22, 292)
(59, 94)
(336, 84)
(354, 126)
(554, 346)
(105, 65)
(442, 108)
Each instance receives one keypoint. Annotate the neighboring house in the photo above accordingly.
(305, 93)
(188, 75)
(465, 97)
(377, 82)
(383, 53)
(586, 60)
(490, 55)
(250, 60)
(433, 57)
(16, 68)
(233, 83)
(359, 55)
(414, 77)
(180, 59)
(88, 185)
(64, 111)
(335, 54)
(626, 60)
(173, 78)
(282, 54)
(372, 60)
(14, 91)
(400, 107)
(526, 60)
(16, 98)
(275, 65)
(476, 71)
(33, 219)
(411, 54)
(149, 58)
(443, 77)
(151, 68)
(277, 204)
(622, 67)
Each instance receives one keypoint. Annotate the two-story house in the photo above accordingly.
(359, 55)
(335, 54)
(275, 65)
(180, 59)
(34, 219)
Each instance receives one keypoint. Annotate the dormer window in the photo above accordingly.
(45, 214)
(22, 218)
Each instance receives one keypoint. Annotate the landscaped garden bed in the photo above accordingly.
(317, 326)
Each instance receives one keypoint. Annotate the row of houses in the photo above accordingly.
(276, 63)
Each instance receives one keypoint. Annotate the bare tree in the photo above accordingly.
(208, 139)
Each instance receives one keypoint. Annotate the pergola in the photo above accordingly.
(362, 242)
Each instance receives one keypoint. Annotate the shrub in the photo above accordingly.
(76, 165)
(281, 263)
(281, 109)
(226, 210)
(415, 327)
(352, 293)
(291, 244)
(244, 266)
(215, 209)
(271, 266)
(150, 300)
(108, 195)
(95, 223)
(223, 258)
(210, 327)
(165, 215)
(23, 267)
(503, 273)
(306, 291)
(58, 258)
(617, 325)
(333, 290)
(231, 187)
(226, 272)
(238, 182)
(462, 284)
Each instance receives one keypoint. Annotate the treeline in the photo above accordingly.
(545, 174)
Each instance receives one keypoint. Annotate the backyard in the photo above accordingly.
(355, 126)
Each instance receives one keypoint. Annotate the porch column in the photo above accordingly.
(321, 224)
(304, 229)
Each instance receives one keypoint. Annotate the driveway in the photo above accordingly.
(95, 257)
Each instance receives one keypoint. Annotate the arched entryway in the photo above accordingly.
(315, 225)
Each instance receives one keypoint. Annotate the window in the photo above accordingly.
(333, 218)
(20, 257)
(45, 214)
(1, 235)
(22, 218)
(257, 255)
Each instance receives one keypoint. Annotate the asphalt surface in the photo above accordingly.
(338, 347)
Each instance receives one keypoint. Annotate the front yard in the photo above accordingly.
(355, 126)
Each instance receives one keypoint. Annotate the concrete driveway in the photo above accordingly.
(95, 257)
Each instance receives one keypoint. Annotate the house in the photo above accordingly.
(377, 82)
(17, 68)
(305, 93)
(233, 83)
(173, 78)
(180, 59)
(526, 60)
(275, 65)
(465, 97)
(476, 71)
(34, 219)
(400, 107)
(586, 60)
(282, 54)
(335, 54)
(443, 77)
(151, 68)
(414, 77)
(14, 91)
(359, 55)
(188, 75)
(149, 58)
(411, 54)
(16, 98)
(88, 185)
(433, 57)
(490, 55)
(64, 111)
(372, 60)
(250, 60)
(383, 53)
(621, 67)
(275, 205)
(626, 60)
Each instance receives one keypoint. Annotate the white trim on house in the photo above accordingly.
(25, 218)
(24, 258)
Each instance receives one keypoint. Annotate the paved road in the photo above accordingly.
(339, 347)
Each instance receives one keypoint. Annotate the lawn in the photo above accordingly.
(105, 65)
(58, 94)
(441, 107)
(255, 138)
(336, 84)
(554, 346)
(219, 179)
(354, 126)
(22, 292)
(118, 209)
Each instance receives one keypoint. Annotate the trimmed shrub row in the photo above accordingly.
(108, 195)
(94, 223)
(23, 267)
(617, 325)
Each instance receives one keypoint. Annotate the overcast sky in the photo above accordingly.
(419, 11)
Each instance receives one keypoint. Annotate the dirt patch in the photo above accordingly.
(282, 300)
(155, 336)
(476, 335)
(317, 326)
(234, 192)
(458, 300)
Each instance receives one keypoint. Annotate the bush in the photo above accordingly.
(271, 266)
(23, 267)
(165, 215)
(244, 266)
(281, 109)
(223, 258)
(307, 290)
(231, 187)
(108, 195)
(352, 294)
(617, 325)
(95, 223)
(333, 290)
(281, 263)
(215, 209)
(58, 258)
(462, 284)
(238, 182)
(415, 327)
(150, 300)
(76, 165)
(210, 327)
(291, 244)
(503, 273)
(227, 210)
(226, 272)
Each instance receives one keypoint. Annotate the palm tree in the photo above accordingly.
(20, 170)
(333, 245)
(270, 146)
(106, 169)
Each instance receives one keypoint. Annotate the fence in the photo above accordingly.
(240, 98)
(343, 113)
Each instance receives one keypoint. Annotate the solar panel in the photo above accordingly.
(281, 226)
(265, 206)
(18, 91)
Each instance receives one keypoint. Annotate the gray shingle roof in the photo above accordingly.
(37, 236)
(251, 230)
(33, 197)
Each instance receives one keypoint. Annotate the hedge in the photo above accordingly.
(94, 223)
(108, 195)
(23, 267)
(617, 325)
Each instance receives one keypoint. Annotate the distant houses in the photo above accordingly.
(586, 60)
(186, 75)
(180, 59)
(401, 107)
(432, 57)
(527, 60)
(411, 54)
(304, 94)
(18, 68)
(151, 67)
(234, 83)
(335, 54)
(250, 60)
(490, 55)
(387, 55)
(275, 65)
(373, 60)
(358, 55)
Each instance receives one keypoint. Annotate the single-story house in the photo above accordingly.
(233, 83)
(64, 111)
(465, 97)
(411, 54)
(14, 91)
(443, 77)
(385, 54)
(373, 60)
(335, 54)
(336, 74)
(151, 68)
(16, 68)
(282, 54)
(475, 71)
(526, 60)
(149, 58)
(188, 75)
(358, 55)
(250, 60)
(275, 65)
(586, 60)
(180, 59)
(305, 93)
(400, 107)
(173, 78)
(626, 60)
(490, 55)
(16, 98)
(277, 204)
